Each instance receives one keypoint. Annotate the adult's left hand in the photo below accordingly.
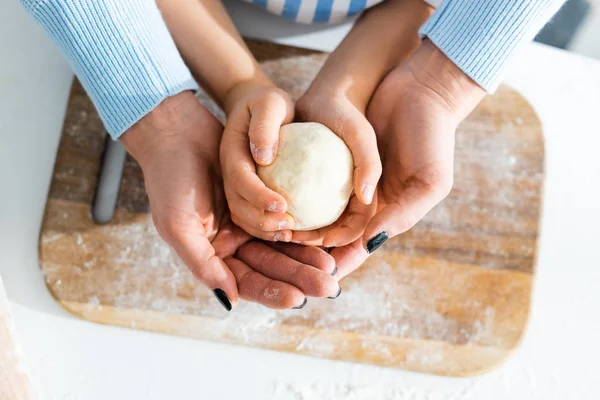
(415, 112)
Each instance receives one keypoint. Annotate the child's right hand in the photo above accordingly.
(254, 115)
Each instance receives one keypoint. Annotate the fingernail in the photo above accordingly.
(367, 193)
(301, 306)
(276, 207)
(279, 237)
(263, 155)
(334, 271)
(223, 299)
(283, 225)
(337, 295)
(377, 241)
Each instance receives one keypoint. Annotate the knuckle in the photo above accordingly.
(199, 273)
(326, 287)
(244, 281)
(259, 132)
(273, 96)
(409, 220)
(323, 261)
(327, 262)
(170, 230)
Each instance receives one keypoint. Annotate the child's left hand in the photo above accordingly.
(338, 113)
(254, 115)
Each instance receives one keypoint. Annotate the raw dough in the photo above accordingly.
(313, 171)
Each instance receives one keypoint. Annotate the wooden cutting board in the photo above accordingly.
(450, 297)
(15, 383)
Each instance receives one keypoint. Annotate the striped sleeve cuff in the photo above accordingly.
(121, 51)
(480, 36)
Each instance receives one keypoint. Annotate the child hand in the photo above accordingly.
(415, 111)
(254, 115)
(338, 113)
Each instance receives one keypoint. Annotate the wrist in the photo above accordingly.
(163, 125)
(237, 92)
(434, 71)
(338, 88)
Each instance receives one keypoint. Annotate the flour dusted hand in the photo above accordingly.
(313, 171)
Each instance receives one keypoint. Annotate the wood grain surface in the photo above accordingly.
(449, 297)
(15, 383)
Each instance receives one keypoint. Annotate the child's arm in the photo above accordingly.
(338, 97)
(256, 109)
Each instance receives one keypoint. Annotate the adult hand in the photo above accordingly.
(255, 113)
(415, 112)
(177, 147)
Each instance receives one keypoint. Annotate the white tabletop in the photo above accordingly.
(72, 359)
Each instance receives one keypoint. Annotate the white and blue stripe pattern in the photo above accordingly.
(121, 51)
(479, 36)
(315, 11)
(126, 59)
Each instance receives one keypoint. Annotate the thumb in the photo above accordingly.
(401, 215)
(267, 116)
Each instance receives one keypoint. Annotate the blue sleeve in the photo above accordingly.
(480, 36)
(121, 51)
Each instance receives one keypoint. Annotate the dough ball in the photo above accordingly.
(313, 171)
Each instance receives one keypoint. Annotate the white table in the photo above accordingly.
(72, 359)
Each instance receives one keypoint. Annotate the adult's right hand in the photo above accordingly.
(177, 147)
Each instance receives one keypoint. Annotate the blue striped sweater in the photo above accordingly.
(127, 61)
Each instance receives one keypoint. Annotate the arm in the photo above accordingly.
(125, 57)
(121, 52)
(213, 48)
(416, 108)
(338, 97)
(481, 36)
(255, 110)
(381, 39)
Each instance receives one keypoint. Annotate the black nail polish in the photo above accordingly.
(301, 306)
(377, 241)
(334, 271)
(223, 299)
(337, 295)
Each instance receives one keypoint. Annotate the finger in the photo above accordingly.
(271, 236)
(248, 215)
(268, 114)
(414, 202)
(257, 288)
(353, 224)
(359, 136)
(309, 255)
(348, 258)
(200, 257)
(278, 266)
(240, 174)
(311, 238)
(228, 239)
